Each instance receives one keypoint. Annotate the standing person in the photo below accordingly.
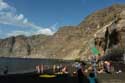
(54, 68)
(42, 68)
(58, 68)
(93, 62)
(38, 69)
(82, 78)
(92, 78)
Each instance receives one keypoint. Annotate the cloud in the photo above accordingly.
(41, 31)
(3, 5)
(16, 33)
(46, 31)
(9, 16)
(54, 26)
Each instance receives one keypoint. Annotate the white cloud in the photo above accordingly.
(25, 20)
(20, 17)
(3, 5)
(16, 33)
(9, 16)
(26, 33)
(46, 31)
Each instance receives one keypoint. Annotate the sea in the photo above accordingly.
(26, 65)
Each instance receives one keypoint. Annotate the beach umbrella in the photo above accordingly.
(94, 51)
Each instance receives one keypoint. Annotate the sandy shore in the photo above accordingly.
(34, 78)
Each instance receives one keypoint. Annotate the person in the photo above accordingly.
(54, 68)
(107, 66)
(92, 78)
(38, 69)
(64, 70)
(5, 70)
(42, 68)
(82, 78)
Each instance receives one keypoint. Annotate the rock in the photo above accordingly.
(105, 28)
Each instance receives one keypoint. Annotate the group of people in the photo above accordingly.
(54, 68)
(83, 77)
(85, 73)
(40, 68)
(89, 74)
(102, 66)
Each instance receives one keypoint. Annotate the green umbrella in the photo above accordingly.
(94, 51)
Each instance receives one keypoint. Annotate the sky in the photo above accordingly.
(32, 17)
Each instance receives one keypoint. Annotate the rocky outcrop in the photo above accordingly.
(114, 34)
(6, 46)
(20, 46)
(104, 28)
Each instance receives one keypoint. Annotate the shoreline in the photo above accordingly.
(35, 78)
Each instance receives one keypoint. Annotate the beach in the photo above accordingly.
(35, 78)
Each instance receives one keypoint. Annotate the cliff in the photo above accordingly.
(104, 28)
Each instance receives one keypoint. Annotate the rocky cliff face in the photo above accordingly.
(104, 28)
(20, 46)
(114, 34)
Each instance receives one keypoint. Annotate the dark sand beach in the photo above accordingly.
(34, 78)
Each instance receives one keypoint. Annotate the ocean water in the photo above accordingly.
(25, 65)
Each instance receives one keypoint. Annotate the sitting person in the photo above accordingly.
(64, 70)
